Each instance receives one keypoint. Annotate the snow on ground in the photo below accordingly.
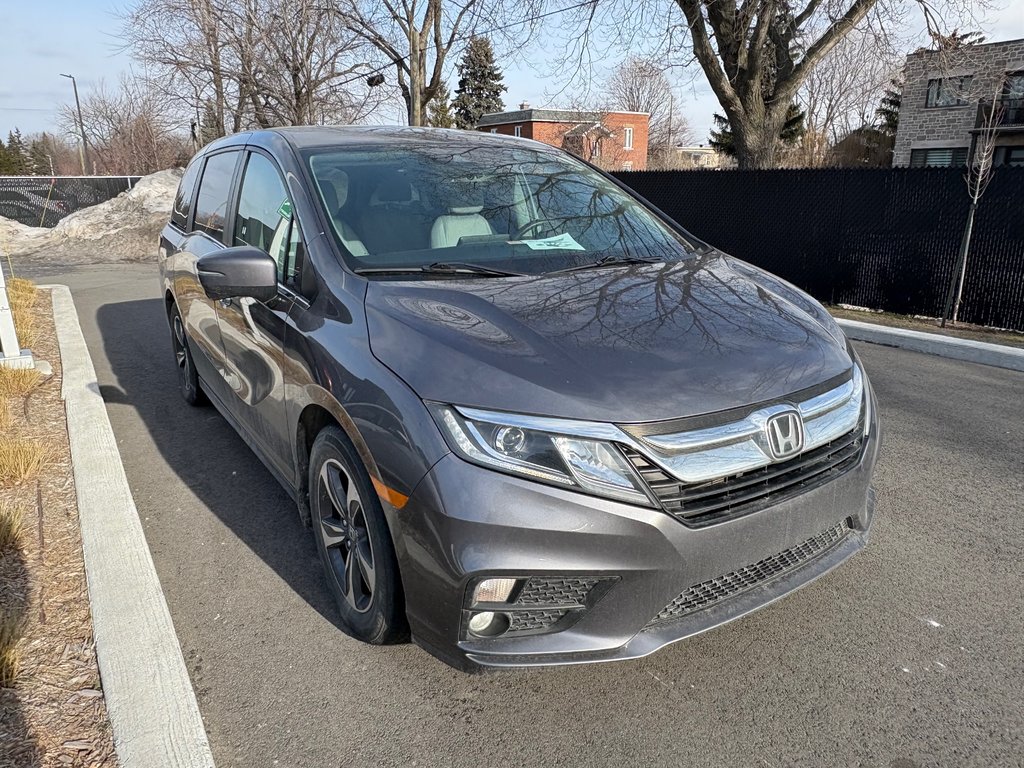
(124, 228)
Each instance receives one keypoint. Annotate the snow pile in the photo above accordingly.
(124, 228)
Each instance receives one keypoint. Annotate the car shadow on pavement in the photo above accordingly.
(203, 451)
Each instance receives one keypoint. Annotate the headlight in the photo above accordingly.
(531, 447)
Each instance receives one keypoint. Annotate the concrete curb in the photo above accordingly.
(982, 352)
(152, 707)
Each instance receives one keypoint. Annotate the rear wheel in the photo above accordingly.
(188, 381)
(353, 541)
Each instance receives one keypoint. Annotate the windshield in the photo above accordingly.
(510, 209)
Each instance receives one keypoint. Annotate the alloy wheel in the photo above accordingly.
(343, 533)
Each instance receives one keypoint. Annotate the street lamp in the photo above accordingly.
(84, 151)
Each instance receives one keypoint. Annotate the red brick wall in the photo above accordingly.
(613, 152)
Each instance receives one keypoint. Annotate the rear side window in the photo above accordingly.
(186, 191)
(214, 191)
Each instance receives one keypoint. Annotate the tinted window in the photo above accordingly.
(265, 219)
(513, 208)
(214, 191)
(186, 190)
(944, 157)
(949, 91)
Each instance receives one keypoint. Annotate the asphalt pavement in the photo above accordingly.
(909, 655)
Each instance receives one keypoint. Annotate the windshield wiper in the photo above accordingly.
(440, 268)
(607, 261)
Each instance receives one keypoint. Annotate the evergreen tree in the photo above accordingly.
(5, 162)
(888, 112)
(209, 129)
(439, 110)
(39, 156)
(17, 154)
(480, 84)
(721, 138)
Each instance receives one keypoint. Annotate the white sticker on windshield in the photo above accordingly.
(564, 242)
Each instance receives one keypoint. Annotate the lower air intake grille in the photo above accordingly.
(532, 621)
(713, 591)
(555, 591)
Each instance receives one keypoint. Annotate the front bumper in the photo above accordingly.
(463, 523)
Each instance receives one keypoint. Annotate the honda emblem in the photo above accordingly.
(785, 433)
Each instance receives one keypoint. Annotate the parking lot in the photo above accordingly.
(909, 655)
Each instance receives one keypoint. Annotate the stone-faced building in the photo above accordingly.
(615, 141)
(949, 95)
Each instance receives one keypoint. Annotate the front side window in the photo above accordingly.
(214, 192)
(511, 208)
(265, 218)
(949, 91)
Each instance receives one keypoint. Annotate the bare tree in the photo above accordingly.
(978, 177)
(416, 37)
(841, 94)
(639, 85)
(756, 55)
(252, 63)
(127, 131)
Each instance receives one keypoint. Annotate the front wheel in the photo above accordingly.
(353, 541)
(188, 381)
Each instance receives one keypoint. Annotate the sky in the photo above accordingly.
(44, 38)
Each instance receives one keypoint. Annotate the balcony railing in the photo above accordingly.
(1009, 112)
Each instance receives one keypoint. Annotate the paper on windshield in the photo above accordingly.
(564, 242)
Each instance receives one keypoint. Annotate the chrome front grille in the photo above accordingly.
(708, 474)
(728, 585)
(699, 504)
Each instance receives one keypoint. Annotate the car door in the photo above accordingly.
(202, 233)
(253, 332)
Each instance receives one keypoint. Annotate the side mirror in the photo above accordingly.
(236, 272)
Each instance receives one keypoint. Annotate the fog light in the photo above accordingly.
(488, 624)
(493, 591)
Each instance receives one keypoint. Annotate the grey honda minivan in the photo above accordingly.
(530, 419)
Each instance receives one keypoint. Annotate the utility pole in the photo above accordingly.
(83, 153)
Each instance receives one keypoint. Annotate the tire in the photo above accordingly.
(188, 380)
(353, 541)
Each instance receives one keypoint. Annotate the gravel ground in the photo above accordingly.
(909, 655)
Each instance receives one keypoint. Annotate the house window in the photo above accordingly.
(1009, 156)
(944, 157)
(494, 130)
(597, 148)
(948, 91)
(519, 130)
(627, 165)
(627, 138)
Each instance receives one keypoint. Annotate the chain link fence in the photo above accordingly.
(880, 238)
(42, 201)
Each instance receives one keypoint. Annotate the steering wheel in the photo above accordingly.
(536, 226)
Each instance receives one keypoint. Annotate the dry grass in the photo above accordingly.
(21, 459)
(22, 292)
(12, 518)
(5, 413)
(12, 627)
(18, 382)
(25, 325)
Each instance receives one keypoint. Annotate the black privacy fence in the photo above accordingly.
(42, 201)
(882, 238)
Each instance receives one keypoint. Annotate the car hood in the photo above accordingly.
(619, 344)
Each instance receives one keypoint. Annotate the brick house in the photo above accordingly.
(948, 96)
(614, 141)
